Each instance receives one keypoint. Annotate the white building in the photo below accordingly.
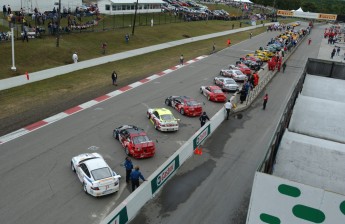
(112, 7)
(41, 5)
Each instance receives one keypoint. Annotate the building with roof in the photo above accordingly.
(42, 6)
(302, 178)
(113, 7)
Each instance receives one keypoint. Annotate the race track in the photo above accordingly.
(39, 187)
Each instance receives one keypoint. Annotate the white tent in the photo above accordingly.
(299, 10)
(243, 1)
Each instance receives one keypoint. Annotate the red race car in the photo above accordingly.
(185, 105)
(135, 141)
(213, 93)
(242, 67)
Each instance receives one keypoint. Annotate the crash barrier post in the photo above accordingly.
(128, 209)
(253, 94)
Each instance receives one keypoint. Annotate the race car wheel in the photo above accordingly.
(84, 187)
(182, 111)
(72, 167)
(127, 151)
(156, 126)
(116, 135)
(201, 91)
(148, 115)
(221, 73)
(167, 102)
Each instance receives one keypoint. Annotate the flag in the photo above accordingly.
(245, 6)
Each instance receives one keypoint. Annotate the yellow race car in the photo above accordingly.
(265, 52)
(262, 57)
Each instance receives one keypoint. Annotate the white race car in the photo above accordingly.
(235, 74)
(94, 173)
(227, 84)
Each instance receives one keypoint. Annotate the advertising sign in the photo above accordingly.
(202, 136)
(120, 218)
(284, 13)
(328, 16)
(160, 179)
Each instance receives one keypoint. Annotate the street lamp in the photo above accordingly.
(58, 30)
(135, 16)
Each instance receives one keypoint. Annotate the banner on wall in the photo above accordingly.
(307, 15)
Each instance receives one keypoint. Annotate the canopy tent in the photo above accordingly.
(299, 10)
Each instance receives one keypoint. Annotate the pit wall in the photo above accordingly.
(128, 209)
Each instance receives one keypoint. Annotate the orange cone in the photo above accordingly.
(198, 151)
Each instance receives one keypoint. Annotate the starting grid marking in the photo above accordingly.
(81, 107)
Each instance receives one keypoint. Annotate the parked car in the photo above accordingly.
(94, 173)
(213, 93)
(135, 141)
(252, 58)
(251, 64)
(162, 119)
(185, 105)
(242, 67)
(235, 74)
(226, 84)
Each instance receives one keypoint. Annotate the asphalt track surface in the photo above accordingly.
(216, 187)
(38, 185)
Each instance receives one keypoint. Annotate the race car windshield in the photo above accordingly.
(217, 91)
(192, 103)
(167, 117)
(238, 72)
(140, 139)
(230, 81)
(101, 173)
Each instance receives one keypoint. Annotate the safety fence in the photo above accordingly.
(128, 209)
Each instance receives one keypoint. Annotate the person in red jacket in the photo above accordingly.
(228, 42)
(256, 79)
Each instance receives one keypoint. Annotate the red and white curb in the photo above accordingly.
(81, 107)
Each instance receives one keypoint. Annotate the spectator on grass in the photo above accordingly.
(75, 57)
(181, 59)
(127, 38)
(104, 47)
(4, 11)
(114, 78)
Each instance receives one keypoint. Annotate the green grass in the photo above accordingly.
(42, 53)
(57, 94)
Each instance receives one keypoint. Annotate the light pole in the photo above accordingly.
(135, 16)
(12, 40)
(58, 26)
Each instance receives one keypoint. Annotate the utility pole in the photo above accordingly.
(135, 16)
(58, 26)
(12, 41)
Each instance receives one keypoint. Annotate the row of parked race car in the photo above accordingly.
(99, 179)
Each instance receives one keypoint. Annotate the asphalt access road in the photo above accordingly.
(216, 187)
(38, 185)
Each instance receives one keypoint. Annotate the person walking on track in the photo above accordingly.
(135, 175)
(129, 167)
(265, 101)
(228, 107)
(203, 118)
